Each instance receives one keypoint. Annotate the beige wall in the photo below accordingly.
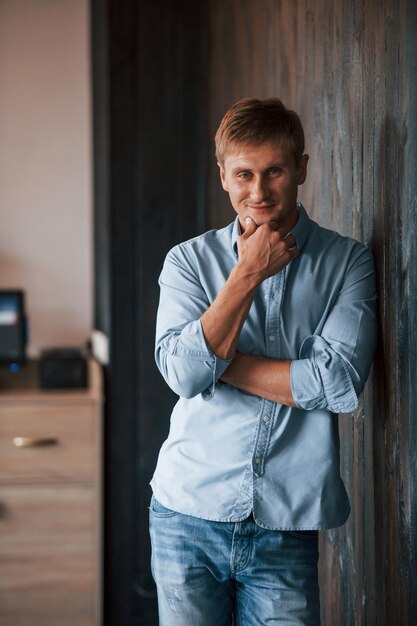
(45, 166)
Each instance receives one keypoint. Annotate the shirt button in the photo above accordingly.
(258, 460)
(266, 418)
(271, 337)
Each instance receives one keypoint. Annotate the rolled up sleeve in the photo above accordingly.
(181, 352)
(333, 365)
(320, 379)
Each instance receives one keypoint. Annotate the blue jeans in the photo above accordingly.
(221, 573)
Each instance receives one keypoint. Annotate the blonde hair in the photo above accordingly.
(253, 121)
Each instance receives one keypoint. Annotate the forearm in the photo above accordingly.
(223, 320)
(268, 378)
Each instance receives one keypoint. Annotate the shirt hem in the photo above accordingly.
(233, 520)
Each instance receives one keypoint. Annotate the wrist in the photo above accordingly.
(246, 278)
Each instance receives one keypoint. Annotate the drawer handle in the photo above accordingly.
(33, 442)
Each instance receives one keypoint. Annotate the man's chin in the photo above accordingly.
(286, 222)
(265, 219)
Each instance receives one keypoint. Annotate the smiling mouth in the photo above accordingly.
(260, 206)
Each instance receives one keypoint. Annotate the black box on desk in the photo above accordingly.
(63, 368)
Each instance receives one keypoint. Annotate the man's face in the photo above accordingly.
(262, 182)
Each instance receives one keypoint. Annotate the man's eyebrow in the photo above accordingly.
(244, 167)
(240, 168)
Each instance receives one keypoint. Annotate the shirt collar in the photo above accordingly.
(235, 235)
(300, 230)
(302, 227)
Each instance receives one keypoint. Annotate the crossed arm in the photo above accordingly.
(196, 342)
(268, 378)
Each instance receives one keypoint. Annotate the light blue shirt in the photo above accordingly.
(230, 453)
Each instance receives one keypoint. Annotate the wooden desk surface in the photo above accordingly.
(25, 385)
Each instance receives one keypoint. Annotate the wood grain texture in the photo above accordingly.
(349, 69)
(70, 458)
(48, 560)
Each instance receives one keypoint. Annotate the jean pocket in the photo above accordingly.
(304, 534)
(159, 510)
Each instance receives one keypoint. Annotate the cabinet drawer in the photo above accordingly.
(48, 555)
(49, 442)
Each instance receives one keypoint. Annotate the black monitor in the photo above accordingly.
(13, 330)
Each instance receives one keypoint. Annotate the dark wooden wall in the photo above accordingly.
(164, 74)
(349, 69)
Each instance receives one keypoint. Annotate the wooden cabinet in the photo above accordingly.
(50, 502)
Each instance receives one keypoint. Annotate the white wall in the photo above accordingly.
(45, 166)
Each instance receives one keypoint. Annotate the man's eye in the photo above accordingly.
(274, 171)
(243, 175)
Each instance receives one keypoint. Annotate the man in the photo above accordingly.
(266, 330)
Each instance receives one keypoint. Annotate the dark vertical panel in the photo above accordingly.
(409, 304)
(114, 152)
(394, 193)
(349, 69)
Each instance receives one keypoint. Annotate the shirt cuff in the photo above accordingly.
(190, 343)
(320, 378)
(219, 367)
(193, 361)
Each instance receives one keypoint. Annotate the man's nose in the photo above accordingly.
(259, 190)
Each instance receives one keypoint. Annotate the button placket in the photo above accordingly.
(273, 310)
(273, 301)
(263, 436)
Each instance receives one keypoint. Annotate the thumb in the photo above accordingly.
(250, 227)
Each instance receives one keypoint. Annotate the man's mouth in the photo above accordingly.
(261, 206)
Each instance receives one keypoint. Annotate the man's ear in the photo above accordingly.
(302, 169)
(222, 176)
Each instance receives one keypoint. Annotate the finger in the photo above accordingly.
(294, 252)
(250, 227)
